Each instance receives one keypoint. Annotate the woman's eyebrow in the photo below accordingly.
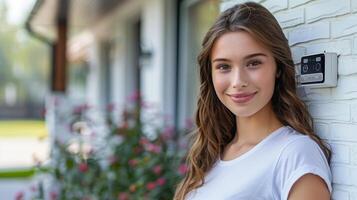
(220, 59)
(254, 55)
(245, 57)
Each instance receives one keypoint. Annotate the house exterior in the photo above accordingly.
(151, 46)
(146, 46)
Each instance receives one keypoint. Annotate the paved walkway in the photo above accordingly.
(20, 153)
(10, 187)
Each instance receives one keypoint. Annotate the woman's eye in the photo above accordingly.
(223, 67)
(254, 64)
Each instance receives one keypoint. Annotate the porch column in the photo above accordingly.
(59, 72)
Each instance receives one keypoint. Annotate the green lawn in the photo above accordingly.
(17, 173)
(22, 128)
(22, 173)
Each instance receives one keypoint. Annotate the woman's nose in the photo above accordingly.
(239, 78)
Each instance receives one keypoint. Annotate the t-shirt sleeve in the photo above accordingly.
(301, 156)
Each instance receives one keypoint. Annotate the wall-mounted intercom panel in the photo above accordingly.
(319, 70)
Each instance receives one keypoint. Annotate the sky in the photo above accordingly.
(18, 10)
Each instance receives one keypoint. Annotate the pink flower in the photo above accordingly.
(80, 109)
(77, 110)
(33, 188)
(167, 118)
(168, 133)
(157, 149)
(110, 107)
(19, 195)
(89, 150)
(157, 169)
(182, 145)
(153, 148)
(161, 181)
(182, 169)
(53, 195)
(151, 185)
(123, 196)
(144, 141)
(112, 159)
(83, 167)
(133, 162)
(145, 105)
(189, 123)
(135, 96)
(137, 150)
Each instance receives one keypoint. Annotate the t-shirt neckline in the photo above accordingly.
(252, 150)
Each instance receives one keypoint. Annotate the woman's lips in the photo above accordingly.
(242, 98)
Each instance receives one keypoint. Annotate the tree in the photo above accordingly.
(24, 61)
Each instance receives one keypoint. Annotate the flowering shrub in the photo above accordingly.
(143, 168)
(127, 163)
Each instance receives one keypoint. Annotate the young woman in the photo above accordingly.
(254, 137)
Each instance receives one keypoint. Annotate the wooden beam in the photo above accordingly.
(59, 81)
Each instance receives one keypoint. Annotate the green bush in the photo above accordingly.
(128, 163)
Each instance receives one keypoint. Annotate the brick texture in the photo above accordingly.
(294, 3)
(290, 17)
(326, 8)
(354, 9)
(346, 25)
(341, 47)
(354, 51)
(305, 33)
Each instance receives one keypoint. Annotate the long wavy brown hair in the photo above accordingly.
(216, 125)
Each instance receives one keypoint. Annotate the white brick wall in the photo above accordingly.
(354, 112)
(340, 195)
(341, 47)
(354, 51)
(330, 111)
(315, 27)
(345, 25)
(346, 89)
(305, 33)
(297, 53)
(327, 8)
(347, 65)
(290, 18)
(354, 5)
(275, 5)
(342, 150)
(294, 3)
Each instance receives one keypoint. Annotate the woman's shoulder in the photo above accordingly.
(291, 138)
(296, 143)
(300, 155)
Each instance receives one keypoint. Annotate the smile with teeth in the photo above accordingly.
(242, 97)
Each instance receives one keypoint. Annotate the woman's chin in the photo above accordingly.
(244, 112)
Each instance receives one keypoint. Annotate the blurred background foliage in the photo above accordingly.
(24, 66)
(127, 162)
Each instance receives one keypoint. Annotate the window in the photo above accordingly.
(196, 18)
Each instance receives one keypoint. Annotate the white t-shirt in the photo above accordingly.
(267, 171)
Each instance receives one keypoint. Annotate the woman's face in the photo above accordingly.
(243, 73)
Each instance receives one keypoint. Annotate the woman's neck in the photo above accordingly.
(251, 130)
